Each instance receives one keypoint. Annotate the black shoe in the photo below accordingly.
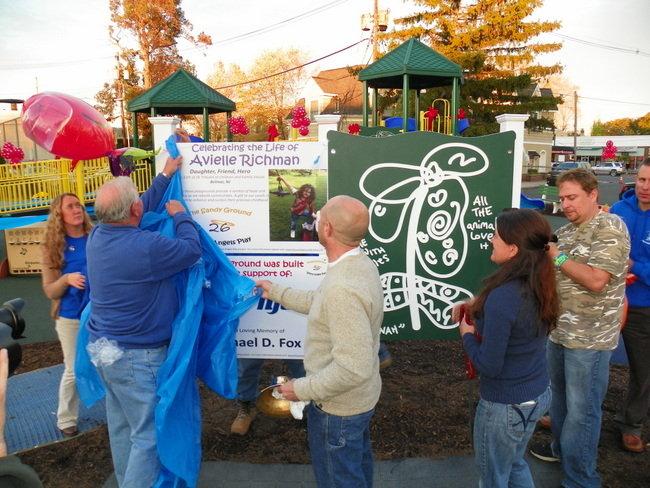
(544, 452)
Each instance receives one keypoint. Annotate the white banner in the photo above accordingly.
(257, 200)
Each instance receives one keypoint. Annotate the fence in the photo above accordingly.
(32, 185)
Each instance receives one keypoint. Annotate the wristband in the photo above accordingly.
(560, 259)
(164, 174)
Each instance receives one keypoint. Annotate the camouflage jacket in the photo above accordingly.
(590, 320)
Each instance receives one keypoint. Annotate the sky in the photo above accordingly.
(64, 46)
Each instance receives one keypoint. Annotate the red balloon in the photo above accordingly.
(66, 126)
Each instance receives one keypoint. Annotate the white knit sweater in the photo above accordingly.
(344, 319)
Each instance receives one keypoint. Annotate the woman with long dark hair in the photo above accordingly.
(64, 282)
(513, 314)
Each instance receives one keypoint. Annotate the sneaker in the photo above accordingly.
(386, 363)
(292, 234)
(245, 416)
(544, 452)
(69, 431)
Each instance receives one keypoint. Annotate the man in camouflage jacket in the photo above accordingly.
(591, 260)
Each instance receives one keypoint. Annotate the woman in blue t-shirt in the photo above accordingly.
(513, 315)
(64, 282)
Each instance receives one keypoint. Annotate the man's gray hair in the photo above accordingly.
(114, 200)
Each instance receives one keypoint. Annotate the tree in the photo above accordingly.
(155, 27)
(145, 36)
(263, 99)
(622, 127)
(564, 116)
(223, 76)
(495, 45)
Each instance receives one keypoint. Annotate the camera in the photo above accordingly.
(12, 326)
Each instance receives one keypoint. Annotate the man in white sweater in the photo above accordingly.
(344, 319)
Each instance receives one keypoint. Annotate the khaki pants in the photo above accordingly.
(68, 410)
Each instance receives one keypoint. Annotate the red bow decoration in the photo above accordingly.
(431, 115)
(354, 129)
(272, 132)
(12, 153)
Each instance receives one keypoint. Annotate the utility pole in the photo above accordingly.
(375, 31)
(120, 87)
(379, 24)
(575, 125)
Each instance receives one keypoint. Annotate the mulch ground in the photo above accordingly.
(423, 412)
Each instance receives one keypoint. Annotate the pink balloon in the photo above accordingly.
(66, 126)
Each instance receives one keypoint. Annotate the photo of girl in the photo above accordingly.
(296, 219)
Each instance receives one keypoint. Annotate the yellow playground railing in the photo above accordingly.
(32, 185)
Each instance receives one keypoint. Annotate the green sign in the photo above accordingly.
(433, 200)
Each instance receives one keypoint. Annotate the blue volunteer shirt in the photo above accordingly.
(74, 257)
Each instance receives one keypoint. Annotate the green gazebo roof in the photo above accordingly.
(181, 93)
(426, 68)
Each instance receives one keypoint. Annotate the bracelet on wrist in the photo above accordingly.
(560, 259)
(164, 174)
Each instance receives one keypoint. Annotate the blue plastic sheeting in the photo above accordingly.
(32, 400)
(396, 123)
(213, 295)
(14, 222)
(534, 203)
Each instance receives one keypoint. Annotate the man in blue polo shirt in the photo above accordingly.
(134, 302)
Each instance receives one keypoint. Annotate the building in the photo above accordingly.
(630, 149)
(11, 130)
(538, 143)
(334, 91)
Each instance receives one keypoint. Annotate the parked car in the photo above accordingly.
(612, 168)
(624, 187)
(566, 166)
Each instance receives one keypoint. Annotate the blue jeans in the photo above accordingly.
(340, 449)
(249, 376)
(579, 380)
(384, 352)
(305, 213)
(501, 434)
(131, 398)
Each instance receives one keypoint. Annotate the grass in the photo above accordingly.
(280, 206)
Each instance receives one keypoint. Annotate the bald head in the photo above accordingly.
(348, 217)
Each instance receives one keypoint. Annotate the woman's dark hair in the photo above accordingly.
(532, 265)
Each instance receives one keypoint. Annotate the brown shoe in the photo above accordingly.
(386, 363)
(70, 431)
(245, 416)
(545, 422)
(632, 443)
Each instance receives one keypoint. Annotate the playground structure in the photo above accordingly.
(31, 186)
(414, 66)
